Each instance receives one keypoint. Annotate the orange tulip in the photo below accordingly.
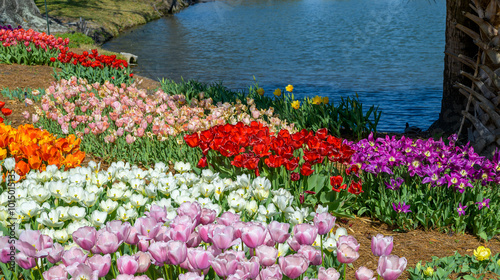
(34, 162)
(3, 153)
(22, 168)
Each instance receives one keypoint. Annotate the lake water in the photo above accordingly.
(390, 52)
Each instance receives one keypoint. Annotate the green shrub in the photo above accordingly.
(76, 39)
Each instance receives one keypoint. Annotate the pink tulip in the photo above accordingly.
(382, 246)
(313, 255)
(176, 252)
(133, 237)
(293, 265)
(73, 255)
(328, 274)
(253, 236)
(180, 232)
(207, 216)
(34, 244)
(107, 242)
(223, 237)
(271, 272)
(305, 234)
(228, 218)
(25, 261)
(55, 254)
(82, 271)
(199, 258)
(194, 240)
(190, 209)
(190, 276)
(349, 240)
(294, 245)
(250, 268)
(267, 255)
(158, 213)
(122, 230)
(147, 228)
(127, 265)
(100, 263)
(364, 273)
(143, 260)
(143, 245)
(324, 222)
(346, 254)
(225, 264)
(85, 237)
(129, 139)
(158, 251)
(391, 267)
(57, 272)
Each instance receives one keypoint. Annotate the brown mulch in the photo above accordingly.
(417, 245)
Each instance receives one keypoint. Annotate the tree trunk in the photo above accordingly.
(26, 14)
(457, 43)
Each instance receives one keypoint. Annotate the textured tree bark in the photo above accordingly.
(457, 43)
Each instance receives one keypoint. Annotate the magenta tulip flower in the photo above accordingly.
(305, 234)
(82, 271)
(100, 263)
(73, 255)
(207, 216)
(225, 264)
(391, 267)
(228, 218)
(121, 230)
(143, 260)
(180, 232)
(349, 240)
(5, 252)
(311, 254)
(364, 273)
(57, 272)
(324, 222)
(190, 276)
(294, 245)
(223, 237)
(25, 261)
(190, 209)
(147, 228)
(158, 251)
(158, 213)
(108, 242)
(328, 274)
(199, 258)
(271, 272)
(34, 244)
(194, 240)
(382, 246)
(253, 235)
(176, 252)
(267, 255)
(143, 245)
(85, 237)
(127, 265)
(293, 265)
(55, 254)
(250, 268)
(346, 254)
(278, 231)
(133, 237)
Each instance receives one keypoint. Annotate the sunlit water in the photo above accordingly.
(388, 51)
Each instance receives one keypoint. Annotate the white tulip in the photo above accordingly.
(161, 167)
(9, 163)
(57, 188)
(163, 203)
(182, 167)
(74, 226)
(76, 194)
(89, 200)
(94, 189)
(21, 193)
(63, 213)
(330, 244)
(269, 211)
(206, 189)
(115, 193)
(62, 235)
(108, 205)
(126, 215)
(150, 190)
(94, 166)
(49, 232)
(295, 217)
(30, 208)
(209, 176)
(4, 198)
(59, 175)
(120, 185)
(50, 220)
(40, 194)
(120, 165)
(77, 180)
(252, 206)
(283, 249)
(99, 179)
(77, 213)
(236, 202)
(340, 231)
(219, 188)
(137, 184)
(204, 201)
(98, 218)
(51, 169)
(138, 200)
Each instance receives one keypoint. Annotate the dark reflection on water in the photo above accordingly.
(388, 51)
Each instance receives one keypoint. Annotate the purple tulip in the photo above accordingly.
(194, 240)
(346, 254)
(293, 265)
(311, 254)
(158, 251)
(199, 258)
(267, 255)
(34, 244)
(278, 231)
(292, 242)
(57, 272)
(305, 234)
(349, 240)
(55, 254)
(5, 252)
(364, 273)
(121, 230)
(223, 237)
(73, 255)
(253, 235)
(391, 267)
(176, 252)
(271, 272)
(324, 222)
(382, 246)
(207, 216)
(85, 237)
(82, 271)
(100, 263)
(328, 274)
(191, 209)
(158, 213)
(108, 242)
(225, 264)
(228, 218)
(143, 260)
(127, 265)
(25, 261)
(190, 276)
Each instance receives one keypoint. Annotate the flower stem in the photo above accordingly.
(321, 243)
(345, 271)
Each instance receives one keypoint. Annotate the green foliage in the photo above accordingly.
(21, 94)
(94, 75)
(76, 39)
(467, 267)
(19, 54)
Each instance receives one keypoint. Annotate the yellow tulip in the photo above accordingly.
(429, 271)
(289, 88)
(3, 154)
(482, 253)
(296, 104)
(260, 91)
(317, 100)
(277, 92)
(325, 100)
